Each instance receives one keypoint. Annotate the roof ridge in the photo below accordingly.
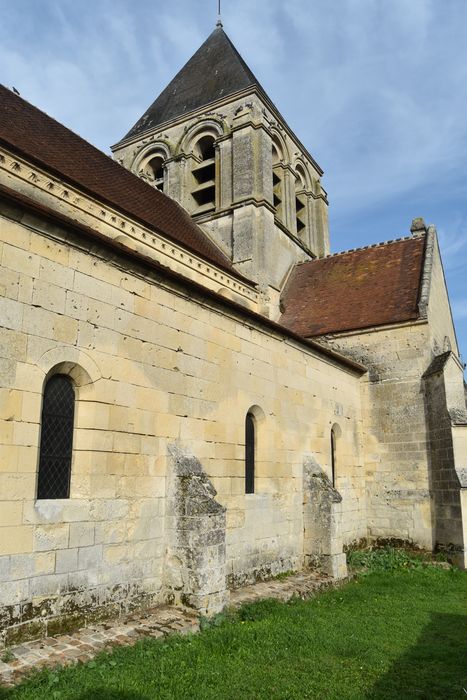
(189, 89)
(245, 65)
(46, 142)
(365, 247)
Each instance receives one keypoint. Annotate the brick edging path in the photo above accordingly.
(83, 644)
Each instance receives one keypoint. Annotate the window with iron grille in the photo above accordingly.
(58, 408)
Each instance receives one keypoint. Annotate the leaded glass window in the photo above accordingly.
(56, 446)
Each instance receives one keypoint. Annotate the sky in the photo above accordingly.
(375, 89)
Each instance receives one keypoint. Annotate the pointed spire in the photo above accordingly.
(219, 20)
(215, 71)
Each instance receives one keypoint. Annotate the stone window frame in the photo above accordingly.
(278, 179)
(156, 150)
(83, 372)
(250, 452)
(281, 164)
(207, 128)
(258, 418)
(216, 128)
(44, 490)
(302, 191)
(204, 184)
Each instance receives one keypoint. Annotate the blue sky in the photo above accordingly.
(376, 90)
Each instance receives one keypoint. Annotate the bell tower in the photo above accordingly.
(215, 142)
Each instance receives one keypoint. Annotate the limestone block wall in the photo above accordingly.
(322, 517)
(442, 331)
(446, 481)
(399, 504)
(195, 563)
(152, 364)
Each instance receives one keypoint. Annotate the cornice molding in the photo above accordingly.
(20, 175)
(207, 109)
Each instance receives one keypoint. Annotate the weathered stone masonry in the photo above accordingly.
(172, 326)
(152, 368)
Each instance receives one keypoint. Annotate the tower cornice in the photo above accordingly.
(218, 104)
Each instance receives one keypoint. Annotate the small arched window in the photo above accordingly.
(333, 456)
(249, 453)
(155, 171)
(58, 408)
(204, 175)
(152, 169)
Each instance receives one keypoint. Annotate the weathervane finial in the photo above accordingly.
(219, 20)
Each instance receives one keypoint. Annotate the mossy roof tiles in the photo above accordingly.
(357, 289)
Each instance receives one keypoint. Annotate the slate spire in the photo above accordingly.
(215, 71)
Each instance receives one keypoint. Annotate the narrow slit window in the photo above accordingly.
(56, 445)
(249, 453)
(300, 202)
(333, 457)
(277, 182)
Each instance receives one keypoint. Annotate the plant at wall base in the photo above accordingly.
(7, 656)
(227, 615)
(390, 634)
(387, 559)
(283, 575)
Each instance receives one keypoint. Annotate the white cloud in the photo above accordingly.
(374, 89)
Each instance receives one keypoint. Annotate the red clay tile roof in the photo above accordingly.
(38, 137)
(357, 289)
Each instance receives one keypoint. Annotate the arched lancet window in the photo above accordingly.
(250, 453)
(204, 175)
(333, 457)
(277, 181)
(336, 432)
(152, 169)
(155, 170)
(58, 408)
(300, 201)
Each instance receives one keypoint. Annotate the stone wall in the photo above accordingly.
(448, 454)
(407, 425)
(396, 450)
(195, 572)
(322, 520)
(444, 479)
(442, 331)
(152, 363)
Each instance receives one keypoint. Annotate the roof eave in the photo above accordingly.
(345, 362)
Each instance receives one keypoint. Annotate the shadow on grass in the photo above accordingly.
(432, 668)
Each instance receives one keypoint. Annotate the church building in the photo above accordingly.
(195, 394)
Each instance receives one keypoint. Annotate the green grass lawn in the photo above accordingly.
(397, 633)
